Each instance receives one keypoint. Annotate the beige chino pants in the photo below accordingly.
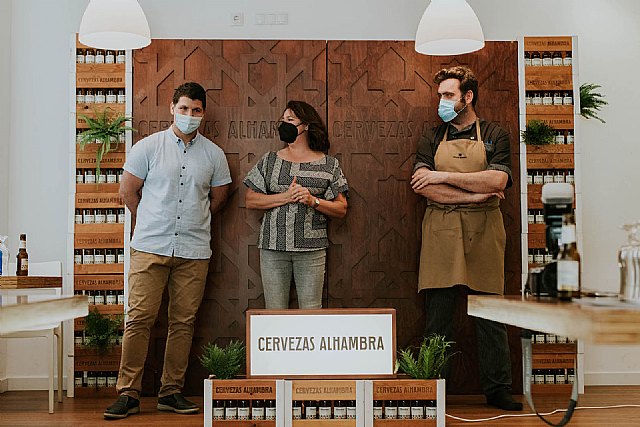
(149, 274)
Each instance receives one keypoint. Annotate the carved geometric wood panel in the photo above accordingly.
(248, 84)
(378, 97)
(381, 96)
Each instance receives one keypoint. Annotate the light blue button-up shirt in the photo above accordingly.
(173, 215)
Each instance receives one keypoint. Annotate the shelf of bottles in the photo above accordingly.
(99, 216)
(550, 97)
(310, 403)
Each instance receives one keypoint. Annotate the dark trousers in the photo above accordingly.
(493, 346)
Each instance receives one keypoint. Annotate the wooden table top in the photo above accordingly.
(29, 282)
(596, 320)
(41, 314)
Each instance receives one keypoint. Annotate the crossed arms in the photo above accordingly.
(457, 187)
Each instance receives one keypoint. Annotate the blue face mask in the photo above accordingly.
(446, 110)
(187, 124)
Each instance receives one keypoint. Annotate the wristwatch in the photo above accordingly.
(316, 203)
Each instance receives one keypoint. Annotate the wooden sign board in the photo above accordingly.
(549, 78)
(99, 282)
(560, 122)
(537, 241)
(89, 76)
(321, 343)
(109, 160)
(99, 240)
(548, 44)
(98, 200)
(323, 390)
(554, 361)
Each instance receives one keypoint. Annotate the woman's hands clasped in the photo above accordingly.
(299, 194)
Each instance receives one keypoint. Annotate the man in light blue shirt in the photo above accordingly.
(174, 180)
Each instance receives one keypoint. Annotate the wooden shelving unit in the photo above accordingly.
(97, 232)
(549, 163)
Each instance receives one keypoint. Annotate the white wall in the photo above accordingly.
(5, 92)
(607, 31)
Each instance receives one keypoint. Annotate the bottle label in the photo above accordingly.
(404, 413)
(111, 299)
(431, 413)
(567, 61)
(324, 413)
(536, 62)
(87, 259)
(377, 413)
(110, 259)
(24, 264)
(77, 259)
(98, 259)
(340, 412)
(296, 413)
(417, 412)
(80, 59)
(538, 379)
(111, 218)
(568, 275)
(270, 414)
(391, 413)
(218, 414)
(100, 218)
(550, 379)
(231, 413)
(351, 413)
(243, 413)
(109, 59)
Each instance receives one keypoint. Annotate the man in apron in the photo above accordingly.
(462, 167)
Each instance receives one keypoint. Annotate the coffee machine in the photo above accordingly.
(557, 199)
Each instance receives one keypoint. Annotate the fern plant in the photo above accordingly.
(106, 127)
(538, 133)
(100, 330)
(433, 355)
(225, 362)
(591, 101)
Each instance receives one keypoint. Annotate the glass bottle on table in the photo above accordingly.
(568, 261)
(22, 257)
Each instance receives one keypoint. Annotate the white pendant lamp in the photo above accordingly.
(449, 27)
(115, 25)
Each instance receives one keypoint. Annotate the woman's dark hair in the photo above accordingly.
(191, 90)
(318, 135)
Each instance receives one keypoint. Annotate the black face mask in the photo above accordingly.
(288, 132)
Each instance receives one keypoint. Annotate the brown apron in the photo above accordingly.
(462, 244)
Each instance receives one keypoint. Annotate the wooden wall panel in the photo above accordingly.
(377, 97)
(248, 84)
(381, 96)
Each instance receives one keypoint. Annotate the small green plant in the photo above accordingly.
(101, 330)
(591, 101)
(538, 133)
(433, 355)
(225, 362)
(106, 127)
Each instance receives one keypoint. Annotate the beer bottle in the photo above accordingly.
(22, 258)
(568, 261)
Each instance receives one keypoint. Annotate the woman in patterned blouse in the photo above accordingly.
(297, 187)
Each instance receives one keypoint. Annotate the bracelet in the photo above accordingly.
(316, 203)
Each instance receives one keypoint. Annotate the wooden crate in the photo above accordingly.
(104, 76)
(98, 200)
(91, 229)
(98, 188)
(92, 148)
(406, 389)
(99, 240)
(537, 241)
(110, 160)
(550, 79)
(554, 156)
(549, 110)
(568, 348)
(242, 389)
(88, 359)
(537, 228)
(98, 268)
(100, 282)
(556, 121)
(548, 44)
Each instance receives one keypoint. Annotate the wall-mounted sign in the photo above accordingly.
(328, 343)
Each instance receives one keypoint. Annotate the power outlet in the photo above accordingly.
(237, 19)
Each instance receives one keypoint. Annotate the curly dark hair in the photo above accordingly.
(191, 90)
(318, 135)
(468, 80)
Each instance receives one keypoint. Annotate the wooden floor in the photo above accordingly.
(29, 408)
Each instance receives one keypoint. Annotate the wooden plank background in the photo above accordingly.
(377, 98)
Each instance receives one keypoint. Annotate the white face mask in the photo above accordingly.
(187, 124)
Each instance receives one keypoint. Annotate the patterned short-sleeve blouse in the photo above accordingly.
(295, 226)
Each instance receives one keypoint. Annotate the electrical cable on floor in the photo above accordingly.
(535, 415)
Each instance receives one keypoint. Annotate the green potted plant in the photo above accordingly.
(106, 128)
(538, 133)
(591, 101)
(101, 330)
(433, 355)
(224, 362)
